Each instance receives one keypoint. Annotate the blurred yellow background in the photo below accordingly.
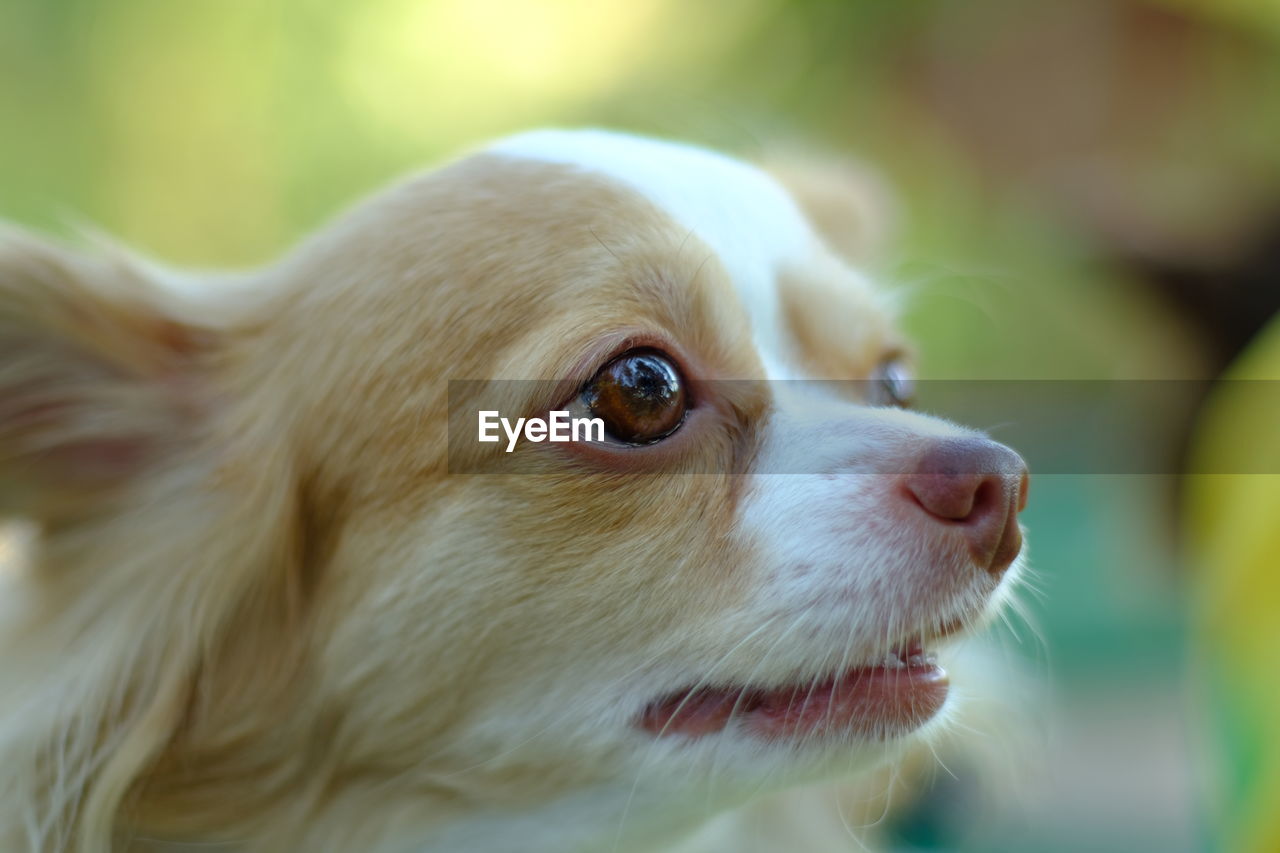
(1087, 189)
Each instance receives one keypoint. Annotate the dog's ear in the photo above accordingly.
(848, 204)
(93, 376)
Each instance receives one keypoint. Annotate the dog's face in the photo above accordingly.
(741, 586)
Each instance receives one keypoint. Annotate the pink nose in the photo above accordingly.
(978, 487)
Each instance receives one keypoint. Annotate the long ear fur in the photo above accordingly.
(151, 538)
(91, 376)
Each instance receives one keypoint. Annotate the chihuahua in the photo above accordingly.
(280, 597)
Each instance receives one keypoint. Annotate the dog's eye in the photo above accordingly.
(639, 396)
(892, 384)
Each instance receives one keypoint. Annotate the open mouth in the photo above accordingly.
(875, 701)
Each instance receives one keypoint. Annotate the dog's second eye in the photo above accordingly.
(639, 396)
(892, 384)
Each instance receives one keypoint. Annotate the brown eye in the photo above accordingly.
(639, 396)
(892, 384)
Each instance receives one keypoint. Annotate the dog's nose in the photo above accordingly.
(979, 487)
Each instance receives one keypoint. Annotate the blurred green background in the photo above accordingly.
(1085, 189)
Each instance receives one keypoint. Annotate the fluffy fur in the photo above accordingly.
(260, 612)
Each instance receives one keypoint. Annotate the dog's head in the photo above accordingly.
(321, 600)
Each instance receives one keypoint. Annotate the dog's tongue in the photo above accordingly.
(869, 701)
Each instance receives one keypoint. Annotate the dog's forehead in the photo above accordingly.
(740, 213)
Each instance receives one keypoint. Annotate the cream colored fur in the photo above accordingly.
(260, 613)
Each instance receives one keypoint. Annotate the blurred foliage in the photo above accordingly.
(1233, 522)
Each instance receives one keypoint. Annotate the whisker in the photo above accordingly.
(626, 810)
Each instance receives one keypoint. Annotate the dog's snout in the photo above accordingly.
(977, 486)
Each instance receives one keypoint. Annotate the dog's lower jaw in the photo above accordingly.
(651, 807)
(623, 817)
(666, 798)
(617, 817)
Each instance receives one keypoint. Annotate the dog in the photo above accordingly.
(280, 597)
